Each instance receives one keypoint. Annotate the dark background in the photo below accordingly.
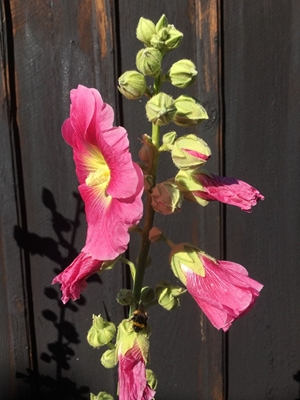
(248, 58)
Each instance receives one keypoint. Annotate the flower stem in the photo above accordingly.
(149, 216)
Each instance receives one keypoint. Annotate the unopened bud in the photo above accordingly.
(160, 109)
(190, 152)
(125, 297)
(167, 37)
(145, 30)
(108, 359)
(166, 198)
(182, 73)
(155, 235)
(132, 85)
(147, 294)
(168, 295)
(189, 111)
(101, 332)
(148, 61)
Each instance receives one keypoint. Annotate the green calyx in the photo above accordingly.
(189, 111)
(101, 332)
(187, 184)
(151, 378)
(101, 396)
(160, 109)
(168, 295)
(182, 73)
(132, 85)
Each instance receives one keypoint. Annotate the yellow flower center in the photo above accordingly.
(99, 175)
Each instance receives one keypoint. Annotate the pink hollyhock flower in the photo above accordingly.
(111, 185)
(227, 190)
(222, 289)
(133, 384)
(73, 278)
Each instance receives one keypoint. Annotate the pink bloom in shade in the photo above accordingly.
(224, 293)
(133, 384)
(227, 190)
(111, 185)
(73, 278)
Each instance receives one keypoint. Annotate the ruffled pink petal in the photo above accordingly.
(133, 384)
(73, 278)
(229, 191)
(225, 293)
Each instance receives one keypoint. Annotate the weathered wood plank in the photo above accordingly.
(186, 352)
(262, 92)
(57, 46)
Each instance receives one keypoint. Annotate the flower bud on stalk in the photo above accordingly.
(101, 396)
(132, 85)
(148, 61)
(145, 30)
(160, 109)
(108, 359)
(168, 295)
(190, 152)
(101, 332)
(182, 73)
(166, 198)
(189, 111)
(151, 378)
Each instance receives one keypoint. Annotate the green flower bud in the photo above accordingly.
(190, 152)
(182, 73)
(160, 109)
(132, 85)
(168, 140)
(168, 295)
(145, 30)
(108, 359)
(101, 396)
(151, 378)
(187, 255)
(147, 294)
(167, 37)
(189, 111)
(166, 198)
(161, 23)
(148, 61)
(174, 38)
(125, 297)
(101, 332)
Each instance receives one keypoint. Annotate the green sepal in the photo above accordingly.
(160, 109)
(188, 256)
(151, 378)
(168, 295)
(161, 23)
(108, 359)
(189, 111)
(101, 396)
(188, 184)
(101, 332)
(168, 140)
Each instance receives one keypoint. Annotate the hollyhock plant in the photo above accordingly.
(73, 278)
(222, 289)
(201, 186)
(111, 185)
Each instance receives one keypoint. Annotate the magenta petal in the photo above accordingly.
(73, 278)
(225, 293)
(133, 384)
(229, 191)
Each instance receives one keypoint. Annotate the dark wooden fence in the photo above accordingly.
(248, 57)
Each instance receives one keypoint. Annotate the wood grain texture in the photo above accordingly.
(58, 45)
(262, 92)
(186, 352)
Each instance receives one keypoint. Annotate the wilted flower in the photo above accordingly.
(166, 198)
(111, 185)
(73, 278)
(201, 186)
(222, 289)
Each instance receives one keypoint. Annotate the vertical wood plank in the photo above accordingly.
(262, 92)
(186, 351)
(58, 45)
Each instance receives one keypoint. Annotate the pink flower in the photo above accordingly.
(132, 376)
(111, 185)
(227, 190)
(73, 278)
(224, 293)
